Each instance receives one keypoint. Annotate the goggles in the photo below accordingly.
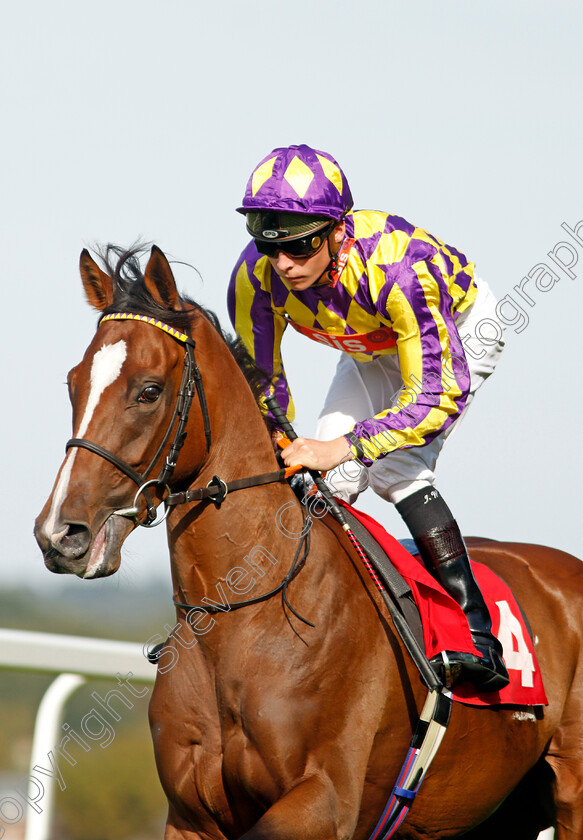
(302, 246)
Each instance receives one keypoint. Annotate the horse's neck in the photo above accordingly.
(245, 543)
(238, 551)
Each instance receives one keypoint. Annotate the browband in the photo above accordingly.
(131, 316)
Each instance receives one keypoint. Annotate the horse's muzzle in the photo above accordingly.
(73, 549)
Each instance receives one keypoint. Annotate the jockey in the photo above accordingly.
(394, 299)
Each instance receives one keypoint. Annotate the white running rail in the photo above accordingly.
(74, 659)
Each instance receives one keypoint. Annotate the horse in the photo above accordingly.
(289, 717)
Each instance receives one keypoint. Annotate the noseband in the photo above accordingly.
(191, 380)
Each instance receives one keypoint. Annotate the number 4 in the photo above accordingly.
(516, 653)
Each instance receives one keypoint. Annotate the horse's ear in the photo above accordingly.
(97, 284)
(159, 280)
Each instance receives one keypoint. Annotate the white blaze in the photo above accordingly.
(105, 369)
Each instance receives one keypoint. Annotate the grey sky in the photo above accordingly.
(143, 119)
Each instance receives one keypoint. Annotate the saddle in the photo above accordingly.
(438, 623)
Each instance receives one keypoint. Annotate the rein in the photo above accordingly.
(296, 566)
(216, 490)
(434, 718)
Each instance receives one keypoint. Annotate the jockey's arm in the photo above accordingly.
(258, 325)
(433, 369)
(432, 362)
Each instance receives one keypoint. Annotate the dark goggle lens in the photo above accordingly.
(305, 246)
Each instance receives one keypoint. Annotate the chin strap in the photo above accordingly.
(325, 277)
(335, 267)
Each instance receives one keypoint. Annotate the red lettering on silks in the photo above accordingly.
(371, 342)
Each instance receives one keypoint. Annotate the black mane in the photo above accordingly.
(131, 295)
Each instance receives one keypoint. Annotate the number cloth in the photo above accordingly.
(445, 626)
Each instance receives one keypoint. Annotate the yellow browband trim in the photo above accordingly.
(131, 316)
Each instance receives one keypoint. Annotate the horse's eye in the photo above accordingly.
(150, 394)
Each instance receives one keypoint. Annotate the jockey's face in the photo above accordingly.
(302, 272)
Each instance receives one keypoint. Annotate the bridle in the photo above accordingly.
(191, 383)
(216, 490)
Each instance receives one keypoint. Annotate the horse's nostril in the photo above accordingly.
(74, 541)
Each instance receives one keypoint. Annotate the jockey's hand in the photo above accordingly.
(317, 454)
(275, 436)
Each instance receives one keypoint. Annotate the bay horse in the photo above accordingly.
(267, 727)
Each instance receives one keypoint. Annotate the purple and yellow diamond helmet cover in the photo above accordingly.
(298, 179)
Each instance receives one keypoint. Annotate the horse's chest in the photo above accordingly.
(220, 771)
(203, 755)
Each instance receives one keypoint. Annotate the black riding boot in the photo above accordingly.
(442, 548)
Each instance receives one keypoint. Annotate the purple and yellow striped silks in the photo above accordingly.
(398, 277)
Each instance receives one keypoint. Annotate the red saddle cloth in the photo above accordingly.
(445, 626)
